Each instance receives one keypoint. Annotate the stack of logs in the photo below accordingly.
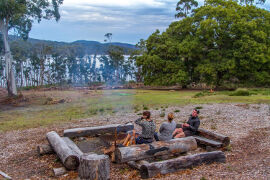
(93, 166)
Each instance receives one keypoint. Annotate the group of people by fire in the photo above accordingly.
(167, 131)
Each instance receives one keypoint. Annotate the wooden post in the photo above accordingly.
(68, 157)
(92, 131)
(94, 167)
(180, 163)
(44, 149)
(158, 148)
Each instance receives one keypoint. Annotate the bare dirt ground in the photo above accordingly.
(248, 126)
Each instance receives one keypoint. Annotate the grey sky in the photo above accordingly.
(128, 20)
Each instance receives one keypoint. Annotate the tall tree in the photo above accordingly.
(19, 15)
(184, 6)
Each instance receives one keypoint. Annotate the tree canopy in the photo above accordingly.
(221, 42)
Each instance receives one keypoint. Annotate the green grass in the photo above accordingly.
(113, 101)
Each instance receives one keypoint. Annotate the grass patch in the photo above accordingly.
(36, 114)
(203, 93)
(177, 110)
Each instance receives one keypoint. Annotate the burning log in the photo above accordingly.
(158, 148)
(93, 166)
(69, 158)
(92, 131)
(44, 149)
(225, 140)
(163, 167)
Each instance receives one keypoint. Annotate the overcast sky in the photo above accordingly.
(127, 20)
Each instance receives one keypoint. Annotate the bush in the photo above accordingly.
(240, 93)
(177, 110)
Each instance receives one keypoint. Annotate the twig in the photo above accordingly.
(5, 175)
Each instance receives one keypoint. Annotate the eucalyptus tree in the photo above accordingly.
(43, 52)
(184, 6)
(19, 16)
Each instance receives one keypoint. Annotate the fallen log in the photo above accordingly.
(94, 167)
(92, 131)
(72, 146)
(158, 148)
(137, 164)
(183, 162)
(44, 149)
(225, 140)
(208, 142)
(59, 171)
(68, 157)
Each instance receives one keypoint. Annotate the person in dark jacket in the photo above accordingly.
(190, 128)
(148, 130)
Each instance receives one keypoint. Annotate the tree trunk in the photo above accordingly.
(11, 86)
(69, 158)
(158, 148)
(180, 163)
(94, 167)
(92, 131)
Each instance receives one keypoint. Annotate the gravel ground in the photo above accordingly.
(248, 126)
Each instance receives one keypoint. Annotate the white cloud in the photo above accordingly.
(114, 3)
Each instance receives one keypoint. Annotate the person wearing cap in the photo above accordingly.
(190, 128)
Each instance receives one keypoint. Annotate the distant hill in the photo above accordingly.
(85, 47)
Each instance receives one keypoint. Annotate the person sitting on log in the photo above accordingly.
(190, 128)
(166, 129)
(148, 130)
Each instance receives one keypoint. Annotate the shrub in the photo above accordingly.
(177, 110)
(240, 93)
(162, 114)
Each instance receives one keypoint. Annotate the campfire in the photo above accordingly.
(90, 150)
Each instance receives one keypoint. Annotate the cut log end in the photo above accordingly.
(72, 162)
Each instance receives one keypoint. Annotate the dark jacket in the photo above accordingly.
(148, 128)
(194, 123)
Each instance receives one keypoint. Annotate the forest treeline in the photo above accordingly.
(39, 62)
(220, 43)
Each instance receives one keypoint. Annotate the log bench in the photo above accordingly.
(209, 138)
(93, 131)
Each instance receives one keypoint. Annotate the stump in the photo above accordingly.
(44, 149)
(163, 167)
(158, 148)
(94, 167)
(68, 157)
